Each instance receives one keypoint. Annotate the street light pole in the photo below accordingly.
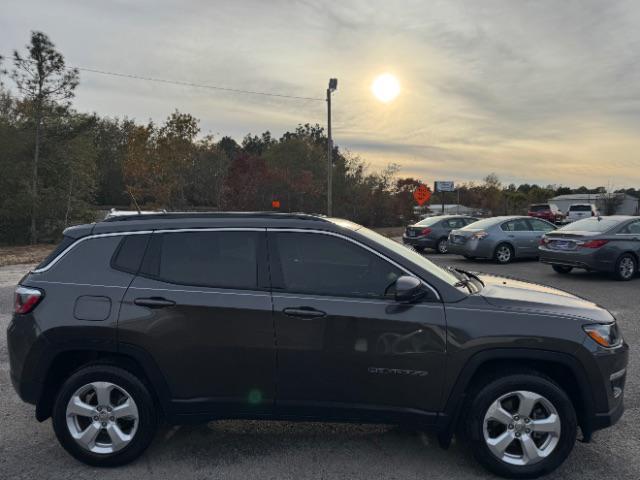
(333, 85)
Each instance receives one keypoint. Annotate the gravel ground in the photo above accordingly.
(248, 449)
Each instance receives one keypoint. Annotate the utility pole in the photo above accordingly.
(333, 85)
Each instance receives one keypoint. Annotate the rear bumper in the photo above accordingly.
(424, 242)
(589, 260)
(472, 248)
(26, 347)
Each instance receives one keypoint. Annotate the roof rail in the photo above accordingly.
(123, 215)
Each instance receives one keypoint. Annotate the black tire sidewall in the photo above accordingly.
(487, 395)
(147, 425)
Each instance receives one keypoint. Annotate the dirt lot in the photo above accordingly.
(24, 254)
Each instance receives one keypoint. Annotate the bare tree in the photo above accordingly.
(46, 85)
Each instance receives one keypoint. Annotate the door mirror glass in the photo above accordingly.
(406, 289)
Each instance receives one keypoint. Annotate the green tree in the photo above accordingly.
(46, 85)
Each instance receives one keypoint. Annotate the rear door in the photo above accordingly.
(344, 350)
(201, 308)
(520, 235)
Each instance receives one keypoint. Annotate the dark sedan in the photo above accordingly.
(433, 232)
(606, 244)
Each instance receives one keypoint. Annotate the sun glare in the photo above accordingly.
(385, 87)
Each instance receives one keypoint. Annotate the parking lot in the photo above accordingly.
(251, 449)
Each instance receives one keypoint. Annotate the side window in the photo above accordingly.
(320, 264)
(540, 226)
(633, 227)
(128, 255)
(517, 225)
(456, 223)
(208, 259)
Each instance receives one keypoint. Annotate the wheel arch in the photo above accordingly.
(137, 362)
(560, 367)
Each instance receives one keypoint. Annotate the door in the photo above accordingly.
(344, 349)
(539, 228)
(519, 234)
(201, 308)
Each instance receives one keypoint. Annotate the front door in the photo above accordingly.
(344, 349)
(201, 308)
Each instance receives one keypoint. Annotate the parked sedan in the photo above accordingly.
(607, 244)
(433, 232)
(500, 238)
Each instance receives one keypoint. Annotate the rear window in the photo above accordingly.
(539, 208)
(129, 254)
(427, 222)
(580, 208)
(208, 259)
(64, 244)
(480, 224)
(593, 224)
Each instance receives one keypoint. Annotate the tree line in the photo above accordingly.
(59, 166)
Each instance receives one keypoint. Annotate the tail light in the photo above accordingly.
(543, 240)
(26, 299)
(594, 243)
(425, 231)
(480, 235)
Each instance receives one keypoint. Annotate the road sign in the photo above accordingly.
(422, 194)
(442, 186)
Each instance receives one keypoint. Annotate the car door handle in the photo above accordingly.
(303, 312)
(154, 302)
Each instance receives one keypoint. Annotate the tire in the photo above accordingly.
(562, 269)
(509, 458)
(118, 390)
(503, 253)
(626, 267)
(442, 247)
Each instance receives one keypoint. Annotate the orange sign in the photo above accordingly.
(422, 194)
(275, 204)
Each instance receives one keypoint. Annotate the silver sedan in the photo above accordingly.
(500, 238)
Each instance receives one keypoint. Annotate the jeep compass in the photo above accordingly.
(182, 317)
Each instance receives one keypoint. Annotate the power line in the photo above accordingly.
(197, 85)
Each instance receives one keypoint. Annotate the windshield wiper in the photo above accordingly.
(471, 275)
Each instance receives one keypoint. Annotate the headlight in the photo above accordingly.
(606, 335)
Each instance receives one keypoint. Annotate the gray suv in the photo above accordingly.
(178, 318)
(433, 232)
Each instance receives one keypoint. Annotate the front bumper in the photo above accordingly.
(579, 258)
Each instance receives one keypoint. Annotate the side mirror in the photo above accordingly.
(406, 289)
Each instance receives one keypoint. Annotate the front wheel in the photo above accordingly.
(521, 425)
(562, 269)
(104, 416)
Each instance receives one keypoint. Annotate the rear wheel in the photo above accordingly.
(562, 269)
(503, 253)
(521, 426)
(442, 246)
(104, 416)
(626, 267)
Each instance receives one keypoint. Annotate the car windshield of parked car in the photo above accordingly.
(580, 208)
(427, 222)
(593, 224)
(480, 224)
(411, 255)
(539, 208)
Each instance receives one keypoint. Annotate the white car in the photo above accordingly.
(578, 211)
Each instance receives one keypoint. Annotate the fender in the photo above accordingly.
(448, 419)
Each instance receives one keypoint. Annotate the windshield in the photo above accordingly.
(412, 255)
(593, 224)
(580, 208)
(480, 224)
(427, 222)
(539, 208)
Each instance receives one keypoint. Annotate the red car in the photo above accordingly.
(546, 211)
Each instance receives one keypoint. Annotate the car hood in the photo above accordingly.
(524, 296)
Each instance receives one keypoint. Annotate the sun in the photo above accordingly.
(385, 87)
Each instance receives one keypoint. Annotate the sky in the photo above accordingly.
(541, 92)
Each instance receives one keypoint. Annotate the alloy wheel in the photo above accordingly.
(102, 417)
(442, 246)
(503, 254)
(521, 428)
(627, 267)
